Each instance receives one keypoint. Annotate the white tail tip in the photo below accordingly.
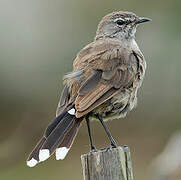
(44, 154)
(32, 162)
(71, 111)
(61, 153)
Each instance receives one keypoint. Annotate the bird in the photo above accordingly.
(103, 85)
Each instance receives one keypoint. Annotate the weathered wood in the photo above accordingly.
(112, 164)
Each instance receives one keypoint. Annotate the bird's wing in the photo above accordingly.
(100, 70)
(108, 68)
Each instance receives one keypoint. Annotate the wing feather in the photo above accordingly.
(106, 96)
(84, 102)
(91, 82)
(107, 68)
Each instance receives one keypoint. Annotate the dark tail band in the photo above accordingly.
(58, 138)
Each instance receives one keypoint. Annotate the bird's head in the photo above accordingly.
(120, 25)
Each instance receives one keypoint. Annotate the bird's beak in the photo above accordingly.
(142, 20)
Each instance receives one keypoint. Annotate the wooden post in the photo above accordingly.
(112, 164)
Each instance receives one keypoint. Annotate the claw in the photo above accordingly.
(109, 147)
(93, 149)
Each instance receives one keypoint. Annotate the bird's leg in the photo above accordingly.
(113, 143)
(90, 137)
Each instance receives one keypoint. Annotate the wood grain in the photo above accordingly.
(112, 164)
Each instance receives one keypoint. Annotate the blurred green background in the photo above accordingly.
(39, 40)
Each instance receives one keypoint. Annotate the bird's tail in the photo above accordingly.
(57, 138)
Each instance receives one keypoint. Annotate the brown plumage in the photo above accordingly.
(103, 84)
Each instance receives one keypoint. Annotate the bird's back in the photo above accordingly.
(105, 78)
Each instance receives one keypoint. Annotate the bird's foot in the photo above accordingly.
(109, 147)
(93, 149)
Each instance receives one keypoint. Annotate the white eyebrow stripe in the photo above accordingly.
(127, 18)
(119, 19)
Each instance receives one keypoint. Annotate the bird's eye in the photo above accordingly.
(119, 22)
